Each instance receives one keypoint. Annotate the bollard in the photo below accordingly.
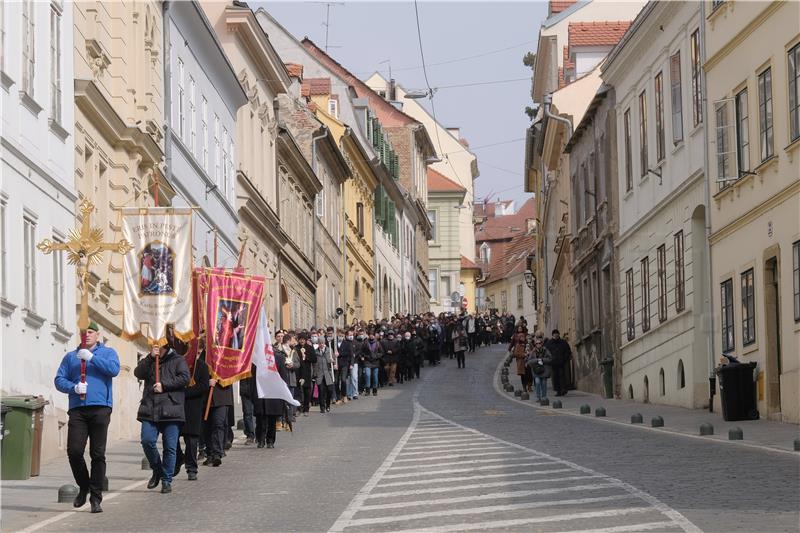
(525, 396)
(637, 418)
(67, 493)
(600, 412)
(735, 433)
(517, 393)
(657, 422)
(706, 429)
(545, 401)
(145, 464)
(509, 388)
(556, 404)
(585, 409)
(797, 445)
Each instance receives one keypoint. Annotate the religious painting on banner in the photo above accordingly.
(232, 309)
(157, 274)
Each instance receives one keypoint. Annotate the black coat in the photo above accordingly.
(166, 406)
(345, 357)
(307, 363)
(372, 359)
(270, 406)
(195, 404)
(391, 351)
(222, 396)
(560, 351)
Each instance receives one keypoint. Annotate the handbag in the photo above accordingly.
(315, 392)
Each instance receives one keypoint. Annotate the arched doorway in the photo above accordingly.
(285, 311)
(386, 304)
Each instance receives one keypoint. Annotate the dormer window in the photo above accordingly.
(333, 107)
(486, 253)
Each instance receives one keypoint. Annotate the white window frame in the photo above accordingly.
(204, 131)
(192, 117)
(28, 47)
(676, 94)
(29, 243)
(55, 61)
(58, 284)
(217, 151)
(181, 95)
(333, 107)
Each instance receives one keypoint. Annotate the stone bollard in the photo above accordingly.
(657, 422)
(585, 409)
(145, 464)
(509, 388)
(517, 393)
(735, 433)
(600, 412)
(67, 493)
(557, 404)
(797, 445)
(706, 429)
(545, 401)
(637, 419)
(525, 396)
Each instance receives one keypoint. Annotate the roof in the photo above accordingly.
(607, 33)
(295, 70)
(468, 264)
(440, 183)
(509, 258)
(557, 6)
(316, 87)
(496, 228)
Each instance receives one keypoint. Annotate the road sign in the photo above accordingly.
(455, 296)
(464, 302)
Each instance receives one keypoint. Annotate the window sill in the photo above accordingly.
(627, 194)
(6, 80)
(765, 164)
(29, 103)
(750, 348)
(696, 129)
(791, 147)
(60, 334)
(32, 319)
(58, 130)
(677, 147)
(6, 307)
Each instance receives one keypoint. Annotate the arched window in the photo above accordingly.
(630, 392)
(681, 375)
(486, 253)
(661, 385)
(646, 390)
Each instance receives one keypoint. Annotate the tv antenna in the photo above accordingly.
(327, 22)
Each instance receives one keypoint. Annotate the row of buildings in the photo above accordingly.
(663, 156)
(294, 168)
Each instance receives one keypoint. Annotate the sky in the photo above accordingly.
(372, 36)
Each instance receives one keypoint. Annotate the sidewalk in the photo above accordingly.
(764, 434)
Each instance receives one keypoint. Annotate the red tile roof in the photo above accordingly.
(597, 33)
(568, 62)
(468, 264)
(509, 258)
(557, 6)
(316, 87)
(505, 227)
(440, 183)
(295, 70)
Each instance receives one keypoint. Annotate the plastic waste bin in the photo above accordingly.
(738, 391)
(3, 410)
(22, 447)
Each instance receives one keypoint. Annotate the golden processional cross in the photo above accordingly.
(85, 248)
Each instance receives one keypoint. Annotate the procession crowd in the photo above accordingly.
(322, 367)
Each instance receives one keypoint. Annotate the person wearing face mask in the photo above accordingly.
(372, 352)
(358, 354)
(345, 362)
(324, 373)
(391, 349)
(407, 357)
(307, 356)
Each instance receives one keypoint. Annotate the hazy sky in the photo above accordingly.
(369, 36)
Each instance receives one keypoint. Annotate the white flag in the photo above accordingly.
(269, 383)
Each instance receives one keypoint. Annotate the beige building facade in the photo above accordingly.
(753, 92)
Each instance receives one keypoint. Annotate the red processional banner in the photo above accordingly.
(198, 311)
(232, 306)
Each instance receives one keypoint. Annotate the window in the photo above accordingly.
(204, 131)
(55, 62)
(520, 302)
(433, 287)
(181, 94)
(628, 157)
(333, 107)
(631, 320)
(765, 114)
(434, 228)
(645, 280)
(726, 303)
(676, 97)
(662, 283)
(595, 300)
(445, 287)
(795, 275)
(659, 85)
(680, 280)
(794, 92)
(217, 152)
(224, 162)
(503, 301)
(748, 308)
(586, 304)
(192, 118)
(742, 133)
(697, 89)
(28, 46)
(29, 241)
(662, 386)
(681, 375)
(58, 285)
(643, 134)
(4, 255)
(486, 253)
(360, 219)
(724, 149)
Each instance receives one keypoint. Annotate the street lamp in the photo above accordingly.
(529, 278)
(530, 281)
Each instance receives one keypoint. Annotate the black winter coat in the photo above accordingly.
(307, 363)
(195, 404)
(345, 357)
(560, 351)
(372, 359)
(166, 406)
(391, 351)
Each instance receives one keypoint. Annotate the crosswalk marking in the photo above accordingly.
(448, 475)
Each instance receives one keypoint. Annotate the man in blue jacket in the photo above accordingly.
(88, 417)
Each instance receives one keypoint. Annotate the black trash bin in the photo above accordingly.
(738, 391)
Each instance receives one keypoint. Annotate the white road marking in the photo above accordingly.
(622, 529)
(454, 438)
(437, 490)
(470, 478)
(455, 463)
(492, 447)
(441, 446)
(472, 469)
(438, 457)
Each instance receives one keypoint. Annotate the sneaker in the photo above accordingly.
(166, 488)
(192, 476)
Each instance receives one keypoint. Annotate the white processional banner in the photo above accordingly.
(269, 383)
(157, 273)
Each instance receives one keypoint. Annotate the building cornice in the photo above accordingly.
(273, 72)
(742, 35)
(70, 196)
(289, 154)
(258, 212)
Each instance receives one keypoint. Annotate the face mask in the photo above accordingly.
(314, 339)
(349, 337)
(408, 337)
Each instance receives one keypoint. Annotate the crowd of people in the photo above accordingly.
(539, 359)
(322, 367)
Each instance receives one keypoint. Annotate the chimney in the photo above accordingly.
(455, 132)
(295, 70)
(392, 96)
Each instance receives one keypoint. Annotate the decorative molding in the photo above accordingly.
(57, 129)
(32, 319)
(60, 333)
(98, 59)
(6, 80)
(6, 307)
(29, 103)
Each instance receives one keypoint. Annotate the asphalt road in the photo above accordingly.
(449, 453)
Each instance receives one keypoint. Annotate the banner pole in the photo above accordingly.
(241, 253)
(208, 402)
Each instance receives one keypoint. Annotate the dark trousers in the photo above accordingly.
(306, 390)
(188, 456)
(461, 359)
(416, 369)
(266, 428)
(558, 380)
(216, 429)
(472, 339)
(344, 376)
(88, 423)
(325, 394)
(527, 379)
(247, 416)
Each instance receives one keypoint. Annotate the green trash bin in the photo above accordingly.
(23, 442)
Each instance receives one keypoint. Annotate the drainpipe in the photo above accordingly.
(323, 131)
(709, 317)
(167, 93)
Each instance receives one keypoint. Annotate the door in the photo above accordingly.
(772, 321)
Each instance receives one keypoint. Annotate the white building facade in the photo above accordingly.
(655, 71)
(37, 200)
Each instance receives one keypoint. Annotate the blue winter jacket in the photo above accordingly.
(99, 371)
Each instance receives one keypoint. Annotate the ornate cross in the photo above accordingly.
(85, 248)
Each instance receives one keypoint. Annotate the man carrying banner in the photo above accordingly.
(194, 407)
(90, 403)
